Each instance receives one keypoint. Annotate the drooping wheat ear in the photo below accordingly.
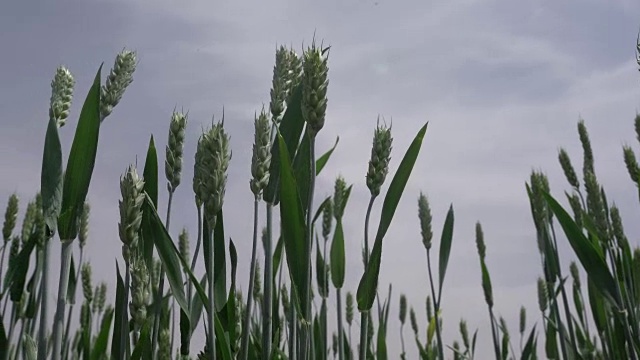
(314, 89)
(424, 215)
(327, 219)
(617, 228)
(403, 309)
(140, 291)
(100, 298)
(294, 75)
(279, 84)
(523, 319)
(215, 161)
(10, 218)
(637, 126)
(28, 221)
(257, 285)
(542, 295)
(576, 206)
(87, 286)
(349, 308)
(638, 51)
(380, 157)
(464, 334)
(14, 250)
(174, 150)
(61, 95)
(198, 171)
(540, 210)
(596, 205)
(119, 79)
(567, 168)
(261, 158)
(586, 147)
(85, 315)
(131, 186)
(183, 244)
(339, 197)
(631, 163)
(414, 321)
(83, 234)
(482, 253)
(482, 249)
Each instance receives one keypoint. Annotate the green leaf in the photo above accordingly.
(100, 344)
(584, 249)
(82, 158)
(196, 306)
(302, 171)
(219, 263)
(51, 178)
(17, 273)
(291, 129)
(338, 257)
(150, 176)
(369, 282)
(322, 160)
(320, 209)
(150, 172)
(381, 348)
(222, 340)
(445, 248)
(73, 281)
(233, 256)
(293, 229)
(321, 272)
(277, 256)
(528, 351)
(168, 255)
(120, 315)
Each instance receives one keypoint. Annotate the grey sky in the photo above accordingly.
(502, 84)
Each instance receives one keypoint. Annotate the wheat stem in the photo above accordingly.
(62, 293)
(244, 352)
(363, 315)
(267, 304)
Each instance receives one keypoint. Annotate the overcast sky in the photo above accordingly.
(502, 85)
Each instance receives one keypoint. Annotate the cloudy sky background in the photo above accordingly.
(502, 85)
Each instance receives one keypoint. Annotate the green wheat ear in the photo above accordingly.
(424, 215)
(380, 157)
(216, 156)
(261, 157)
(83, 232)
(543, 295)
(314, 89)
(403, 309)
(10, 218)
(140, 291)
(87, 287)
(131, 189)
(174, 150)
(120, 77)
(61, 95)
